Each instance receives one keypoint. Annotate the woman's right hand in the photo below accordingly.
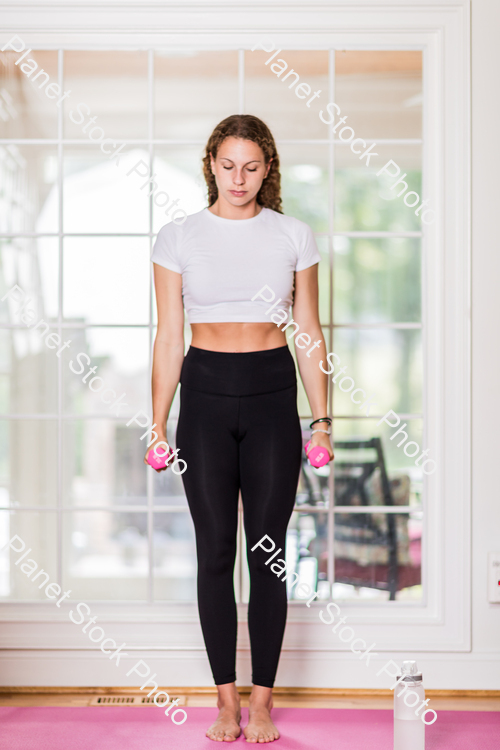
(159, 439)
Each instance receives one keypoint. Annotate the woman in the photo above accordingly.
(238, 425)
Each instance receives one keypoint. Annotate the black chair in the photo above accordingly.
(352, 478)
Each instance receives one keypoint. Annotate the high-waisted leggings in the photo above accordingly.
(238, 430)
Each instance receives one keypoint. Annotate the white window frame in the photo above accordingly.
(442, 621)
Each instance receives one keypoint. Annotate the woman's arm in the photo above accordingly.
(305, 314)
(168, 351)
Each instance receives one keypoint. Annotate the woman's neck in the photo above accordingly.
(226, 210)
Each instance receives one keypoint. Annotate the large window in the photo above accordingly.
(76, 231)
(340, 540)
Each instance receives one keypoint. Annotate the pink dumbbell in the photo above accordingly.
(159, 462)
(317, 456)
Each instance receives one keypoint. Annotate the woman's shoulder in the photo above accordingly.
(300, 236)
(295, 227)
(174, 231)
(170, 244)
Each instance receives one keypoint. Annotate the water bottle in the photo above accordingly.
(409, 729)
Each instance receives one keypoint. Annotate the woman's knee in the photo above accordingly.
(216, 554)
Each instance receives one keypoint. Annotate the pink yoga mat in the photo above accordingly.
(127, 728)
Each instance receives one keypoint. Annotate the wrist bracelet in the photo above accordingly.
(327, 432)
(321, 419)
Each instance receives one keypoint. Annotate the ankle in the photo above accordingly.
(228, 698)
(260, 700)
(259, 703)
(229, 703)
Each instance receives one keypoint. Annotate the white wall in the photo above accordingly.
(485, 318)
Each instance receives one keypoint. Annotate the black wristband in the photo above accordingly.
(322, 419)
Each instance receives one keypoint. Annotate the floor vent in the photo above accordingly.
(132, 700)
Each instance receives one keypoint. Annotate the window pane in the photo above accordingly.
(110, 86)
(193, 91)
(324, 280)
(103, 463)
(105, 555)
(363, 475)
(29, 195)
(99, 195)
(106, 280)
(386, 363)
(37, 531)
(25, 109)
(32, 264)
(28, 373)
(121, 356)
(307, 555)
(365, 202)
(378, 556)
(274, 99)
(167, 486)
(28, 443)
(380, 92)
(397, 462)
(304, 184)
(180, 179)
(175, 566)
(377, 280)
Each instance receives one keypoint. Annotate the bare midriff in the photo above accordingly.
(237, 337)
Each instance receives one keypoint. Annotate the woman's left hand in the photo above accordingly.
(322, 440)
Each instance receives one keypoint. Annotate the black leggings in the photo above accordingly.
(239, 430)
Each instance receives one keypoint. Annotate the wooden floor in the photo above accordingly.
(300, 698)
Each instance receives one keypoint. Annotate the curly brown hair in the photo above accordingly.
(249, 128)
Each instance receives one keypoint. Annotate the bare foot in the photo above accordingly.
(260, 727)
(226, 728)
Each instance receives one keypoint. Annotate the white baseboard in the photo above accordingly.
(479, 671)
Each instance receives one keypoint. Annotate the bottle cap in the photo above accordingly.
(410, 673)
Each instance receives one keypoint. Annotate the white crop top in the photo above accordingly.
(225, 262)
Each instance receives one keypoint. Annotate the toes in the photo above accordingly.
(215, 735)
